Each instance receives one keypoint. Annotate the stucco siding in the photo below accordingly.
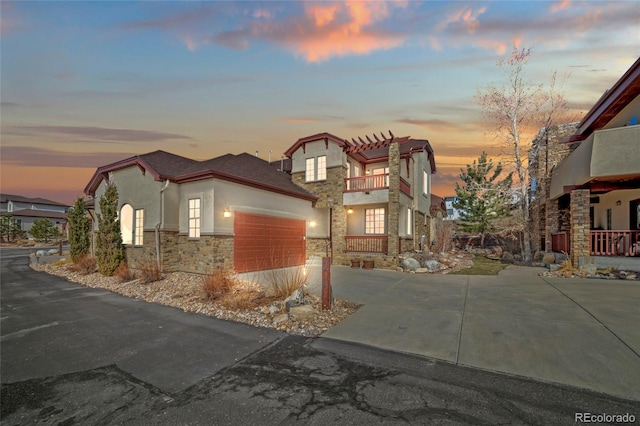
(318, 148)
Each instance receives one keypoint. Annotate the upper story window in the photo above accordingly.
(194, 218)
(316, 168)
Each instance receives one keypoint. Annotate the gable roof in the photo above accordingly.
(244, 169)
(36, 213)
(5, 198)
(370, 151)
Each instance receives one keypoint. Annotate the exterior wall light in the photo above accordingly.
(349, 210)
(227, 213)
(618, 203)
(312, 224)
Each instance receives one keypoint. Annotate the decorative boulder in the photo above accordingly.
(302, 312)
(432, 265)
(41, 253)
(296, 299)
(410, 263)
(588, 269)
(52, 252)
(549, 258)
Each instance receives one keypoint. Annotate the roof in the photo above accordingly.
(614, 100)
(244, 169)
(5, 198)
(370, 150)
(36, 213)
(437, 203)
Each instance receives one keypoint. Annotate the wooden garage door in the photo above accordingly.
(267, 242)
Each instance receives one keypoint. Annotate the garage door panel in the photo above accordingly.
(267, 242)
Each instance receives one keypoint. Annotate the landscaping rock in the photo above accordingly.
(549, 258)
(632, 277)
(554, 267)
(52, 252)
(508, 256)
(41, 253)
(410, 264)
(422, 271)
(302, 312)
(588, 269)
(432, 265)
(399, 269)
(280, 319)
(296, 299)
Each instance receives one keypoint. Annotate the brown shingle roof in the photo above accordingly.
(36, 213)
(4, 198)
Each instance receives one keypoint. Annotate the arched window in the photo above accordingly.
(126, 224)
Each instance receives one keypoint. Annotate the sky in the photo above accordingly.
(85, 84)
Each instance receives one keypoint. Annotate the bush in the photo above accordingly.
(110, 251)
(218, 282)
(79, 230)
(124, 273)
(85, 265)
(284, 281)
(149, 271)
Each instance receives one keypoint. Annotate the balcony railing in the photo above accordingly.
(615, 243)
(561, 242)
(367, 244)
(367, 183)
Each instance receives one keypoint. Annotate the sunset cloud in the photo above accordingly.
(323, 31)
(299, 120)
(95, 133)
(560, 5)
(42, 157)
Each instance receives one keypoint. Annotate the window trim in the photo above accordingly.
(194, 217)
(315, 169)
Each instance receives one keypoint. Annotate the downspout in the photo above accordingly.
(166, 184)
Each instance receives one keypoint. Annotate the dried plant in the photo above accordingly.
(85, 265)
(124, 274)
(219, 282)
(149, 271)
(283, 282)
(566, 267)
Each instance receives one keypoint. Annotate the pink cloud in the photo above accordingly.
(560, 5)
(465, 18)
(325, 30)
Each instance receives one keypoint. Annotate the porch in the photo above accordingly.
(602, 243)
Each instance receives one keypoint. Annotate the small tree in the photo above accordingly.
(79, 230)
(110, 251)
(9, 228)
(44, 231)
(484, 197)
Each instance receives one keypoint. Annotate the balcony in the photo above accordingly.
(371, 189)
(367, 244)
(603, 243)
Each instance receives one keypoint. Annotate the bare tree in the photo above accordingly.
(516, 109)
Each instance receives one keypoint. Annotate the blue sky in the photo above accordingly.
(84, 84)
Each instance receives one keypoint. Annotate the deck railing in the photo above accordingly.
(367, 244)
(367, 183)
(615, 243)
(561, 242)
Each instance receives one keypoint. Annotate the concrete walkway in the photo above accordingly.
(578, 332)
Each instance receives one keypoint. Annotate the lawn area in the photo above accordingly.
(483, 266)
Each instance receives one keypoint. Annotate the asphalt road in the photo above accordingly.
(75, 355)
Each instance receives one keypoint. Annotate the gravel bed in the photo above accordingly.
(184, 291)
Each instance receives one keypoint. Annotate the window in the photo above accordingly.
(409, 227)
(126, 224)
(609, 219)
(139, 228)
(194, 218)
(374, 221)
(425, 182)
(382, 171)
(322, 168)
(316, 169)
(310, 170)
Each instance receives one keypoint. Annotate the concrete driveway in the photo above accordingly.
(578, 332)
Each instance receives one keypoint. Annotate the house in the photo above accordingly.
(592, 199)
(452, 212)
(325, 196)
(26, 210)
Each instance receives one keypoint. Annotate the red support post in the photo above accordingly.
(327, 292)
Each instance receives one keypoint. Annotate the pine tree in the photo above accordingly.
(484, 197)
(79, 230)
(43, 230)
(110, 252)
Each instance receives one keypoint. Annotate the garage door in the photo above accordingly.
(267, 242)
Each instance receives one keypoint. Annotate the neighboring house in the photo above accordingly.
(327, 196)
(452, 212)
(592, 201)
(26, 210)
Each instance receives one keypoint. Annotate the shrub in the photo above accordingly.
(284, 281)
(218, 282)
(149, 271)
(85, 265)
(124, 273)
(79, 230)
(43, 230)
(241, 300)
(110, 251)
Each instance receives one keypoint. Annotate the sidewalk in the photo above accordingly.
(578, 332)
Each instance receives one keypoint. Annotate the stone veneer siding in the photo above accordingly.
(580, 232)
(317, 247)
(422, 228)
(393, 219)
(147, 251)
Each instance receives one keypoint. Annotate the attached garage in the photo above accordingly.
(267, 242)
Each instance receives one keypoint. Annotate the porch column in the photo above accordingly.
(580, 230)
(552, 224)
(394, 198)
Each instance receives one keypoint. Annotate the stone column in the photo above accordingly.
(551, 224)
(580, 231)
(393, 220)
